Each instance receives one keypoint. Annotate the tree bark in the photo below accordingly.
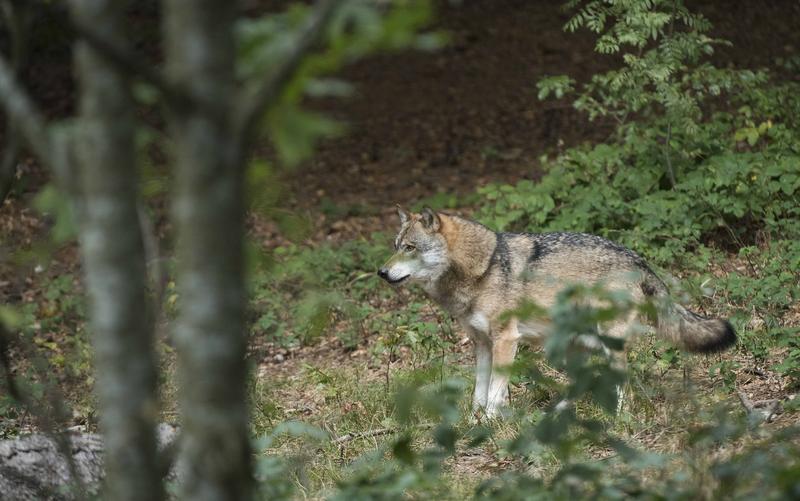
(33, 469)
(208, 211)
(114, 263)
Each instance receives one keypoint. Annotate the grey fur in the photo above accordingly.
(689, 330)
(694, 332)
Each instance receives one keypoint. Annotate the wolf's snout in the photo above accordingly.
(383, 273)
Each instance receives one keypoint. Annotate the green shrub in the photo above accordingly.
(729, 194)
(703, 167)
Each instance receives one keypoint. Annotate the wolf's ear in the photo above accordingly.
(404, 216)
(430, 219)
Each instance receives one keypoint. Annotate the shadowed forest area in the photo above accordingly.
(197, 196)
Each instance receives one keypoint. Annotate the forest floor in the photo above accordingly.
(422, 127)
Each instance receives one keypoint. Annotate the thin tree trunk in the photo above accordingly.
(114, 262)
(209, 215)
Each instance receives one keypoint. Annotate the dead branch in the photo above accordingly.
(764, 409)
(349, 437)
(24, 112)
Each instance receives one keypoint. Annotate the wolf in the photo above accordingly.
(476, 275)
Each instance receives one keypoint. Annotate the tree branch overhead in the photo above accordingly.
(257, 100)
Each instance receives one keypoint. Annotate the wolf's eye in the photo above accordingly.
(409, 248)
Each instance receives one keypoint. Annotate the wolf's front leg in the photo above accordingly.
(483, 373)
(504, 349)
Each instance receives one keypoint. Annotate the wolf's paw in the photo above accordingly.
(476, 417)
(483, 415)
(499, 411)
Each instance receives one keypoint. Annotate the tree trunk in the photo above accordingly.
(209, 214)
(114, 263)
(32, 469)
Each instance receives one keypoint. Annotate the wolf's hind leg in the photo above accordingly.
(504, 349)
(483, 372)
(618, 359)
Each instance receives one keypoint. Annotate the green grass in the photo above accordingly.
(662, 414)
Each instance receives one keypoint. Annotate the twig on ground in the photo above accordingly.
(765, 409)
(362, 276)
(348, 437)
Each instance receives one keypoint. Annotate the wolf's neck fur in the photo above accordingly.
(470, 248)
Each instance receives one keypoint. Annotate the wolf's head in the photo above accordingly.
(420, 249)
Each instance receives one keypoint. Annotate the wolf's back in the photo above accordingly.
(596, 256)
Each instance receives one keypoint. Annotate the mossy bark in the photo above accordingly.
(208, 211)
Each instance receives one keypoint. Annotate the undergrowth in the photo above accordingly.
(412, 437)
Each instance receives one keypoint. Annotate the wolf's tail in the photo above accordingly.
(687, 329)
(693, 332)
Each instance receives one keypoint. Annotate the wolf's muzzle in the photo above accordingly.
(384, 274)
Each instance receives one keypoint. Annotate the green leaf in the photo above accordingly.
(402, 451)
(446, 436)
(52, 202)
(295, 132)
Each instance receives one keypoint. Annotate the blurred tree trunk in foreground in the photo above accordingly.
(208, 209)
(114, 261)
